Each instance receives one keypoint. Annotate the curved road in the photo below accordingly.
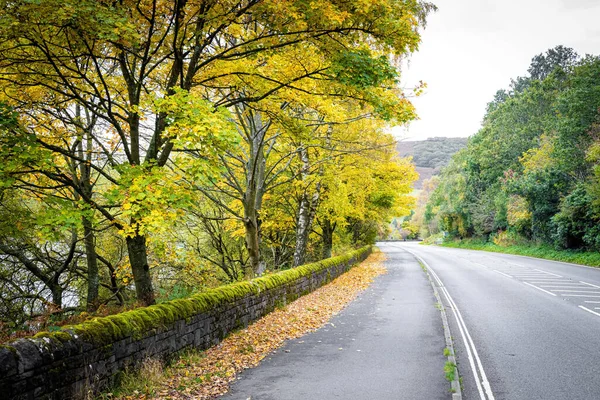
(387, 345)
(523, 328)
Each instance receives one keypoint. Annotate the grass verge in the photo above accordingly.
(589, 258)
(207, 374)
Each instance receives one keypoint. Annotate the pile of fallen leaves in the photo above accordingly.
(206, 375)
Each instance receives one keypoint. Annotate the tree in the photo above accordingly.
(147, 71)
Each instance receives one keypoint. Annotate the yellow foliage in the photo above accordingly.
(540, 157)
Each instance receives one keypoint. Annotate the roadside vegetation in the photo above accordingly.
(528, 181)
(155, 149)
(590, 258)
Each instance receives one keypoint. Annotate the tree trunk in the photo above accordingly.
(252, 246)
(306, 213)
(92, 265)
(136, 247)
(85, 181)
(253, 195)
(328, 229)
(301, 231)
(57, 292)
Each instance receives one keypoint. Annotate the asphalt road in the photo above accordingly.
(523, 328)
(387, 344)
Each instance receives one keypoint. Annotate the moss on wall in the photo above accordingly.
(139, 322)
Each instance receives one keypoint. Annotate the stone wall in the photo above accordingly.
(81, 360)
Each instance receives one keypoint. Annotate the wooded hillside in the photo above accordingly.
(430, 155)
(532, 171)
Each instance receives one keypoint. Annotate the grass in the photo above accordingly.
(449, 369)
(589, 258)
(146, 379)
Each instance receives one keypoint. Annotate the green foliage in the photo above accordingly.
(361, 69)
(161, 139)
(530, 249)
(530, 168)
(449, 370)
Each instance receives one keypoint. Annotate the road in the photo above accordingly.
(387, 345)
(523, 328)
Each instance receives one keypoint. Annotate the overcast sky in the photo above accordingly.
(471, 48)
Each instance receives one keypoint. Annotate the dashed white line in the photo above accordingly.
(585, 283)
(575, 291)
(539, 288)
(564, 287)
(502, 273)
(476, 263)
(518, 265)
(546, 272)
(590, 311)
(578, 295)
(591, 301)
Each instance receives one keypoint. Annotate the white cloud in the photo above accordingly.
(471, 48)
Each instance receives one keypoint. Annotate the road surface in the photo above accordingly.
(523, 328)
(387, 344)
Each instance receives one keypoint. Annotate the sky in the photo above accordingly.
(472, 48)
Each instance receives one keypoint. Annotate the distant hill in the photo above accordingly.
(431, 155)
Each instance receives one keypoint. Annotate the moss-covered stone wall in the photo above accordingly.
(83, 359)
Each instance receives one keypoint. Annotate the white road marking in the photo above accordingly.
(546, 272)
(591, 301)
(502, 273)
(518, 265)
(538, 288)
(578, 295)
(575, 291)
(585, 283)
(564, 287)
(547, 281)
(483, 387)
(540, 283)
(476, 263)
(588, 310)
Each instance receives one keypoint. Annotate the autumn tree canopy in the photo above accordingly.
(168, 145)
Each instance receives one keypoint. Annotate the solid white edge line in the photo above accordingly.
(539, 288)
(585, 283)
(471, 352)
(484, 380)
(460, 329)
(502, 273)
(592, 301)
(590, 311)
(577, 295)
